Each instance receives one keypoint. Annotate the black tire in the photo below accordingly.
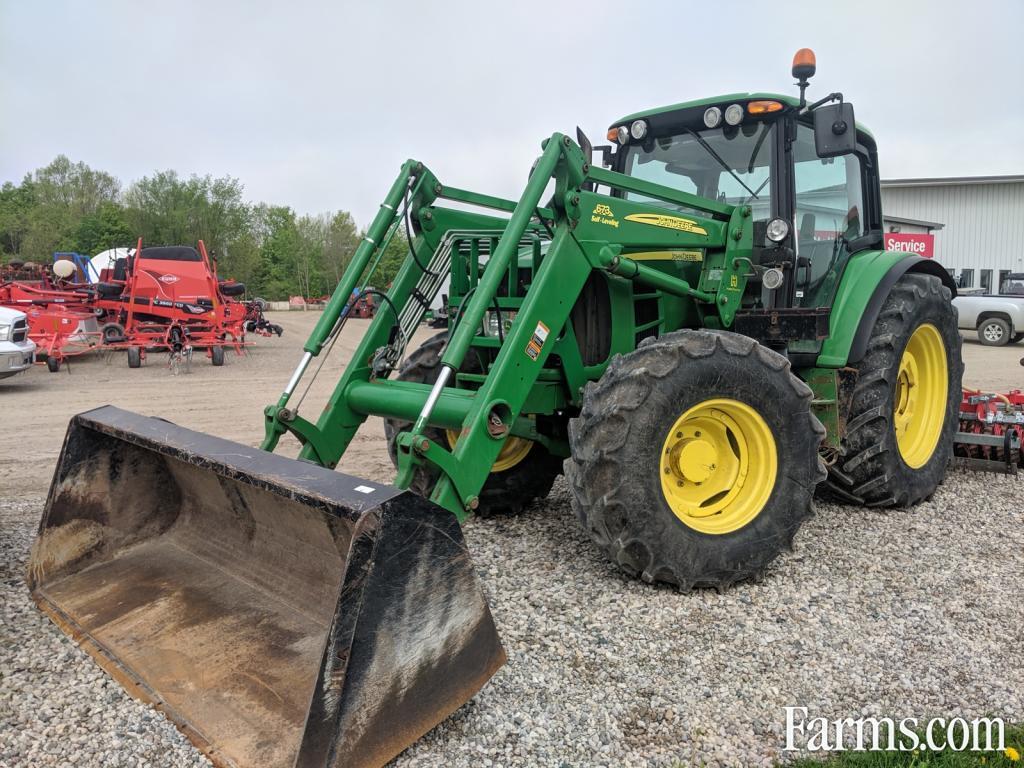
(507, 492)
(217, 356)
(134, 357)
(994, 332)
(617, 443)
(52, 364)
(870, 470)
(1017, 338)
(111, 333)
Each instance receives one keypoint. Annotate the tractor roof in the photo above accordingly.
(728, 98)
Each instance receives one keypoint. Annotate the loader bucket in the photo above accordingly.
(278, 612)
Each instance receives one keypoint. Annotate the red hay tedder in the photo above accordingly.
(165, 298)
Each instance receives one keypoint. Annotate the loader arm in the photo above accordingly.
(585, 231)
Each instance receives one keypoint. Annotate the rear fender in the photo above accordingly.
(865, 285)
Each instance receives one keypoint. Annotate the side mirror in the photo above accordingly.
(835, 131)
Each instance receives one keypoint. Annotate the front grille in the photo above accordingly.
(20, 331)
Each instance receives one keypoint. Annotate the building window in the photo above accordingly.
(986, 280)
(966, 278)
(1003, 275)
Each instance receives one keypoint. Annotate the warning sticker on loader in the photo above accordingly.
(540, 335)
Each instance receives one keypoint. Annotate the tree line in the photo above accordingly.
(68, 206)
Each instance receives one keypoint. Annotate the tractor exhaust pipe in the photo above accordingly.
(277, 612)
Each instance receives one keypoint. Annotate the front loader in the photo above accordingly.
(701, 329)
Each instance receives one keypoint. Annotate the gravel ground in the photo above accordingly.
(902, 613)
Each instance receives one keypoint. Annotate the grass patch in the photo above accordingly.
(1014, 741)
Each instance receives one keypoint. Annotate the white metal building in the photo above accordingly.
(977, 221)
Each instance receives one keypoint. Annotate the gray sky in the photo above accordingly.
(315, 105)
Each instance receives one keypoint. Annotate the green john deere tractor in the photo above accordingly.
(697, 324)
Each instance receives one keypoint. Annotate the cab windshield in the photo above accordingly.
(731, 164)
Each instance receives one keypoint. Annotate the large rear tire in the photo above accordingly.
(524, 471)
(695, 458)
(903, 409)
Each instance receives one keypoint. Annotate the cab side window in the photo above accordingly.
(829, 214)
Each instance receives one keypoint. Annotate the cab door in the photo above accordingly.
(831, 216)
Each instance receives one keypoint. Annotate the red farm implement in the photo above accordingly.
(163, 298)
(991, 431)
(169, 298)
(62, 321)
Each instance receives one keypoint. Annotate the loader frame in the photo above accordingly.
(517, 383)
(539, 260)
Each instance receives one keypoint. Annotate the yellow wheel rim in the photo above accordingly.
(718, 466)
(512, 452)
(919, 402)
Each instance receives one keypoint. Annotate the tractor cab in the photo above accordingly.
(808, 173)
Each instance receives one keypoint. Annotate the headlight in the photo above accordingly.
(712, 117)
(638, 130)
(623, 134)
(734, 114)
(778, 230)
(491, 323)
(5, 332)
(772, 278)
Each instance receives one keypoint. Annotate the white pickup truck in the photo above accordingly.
(17, 350)
(998, 318)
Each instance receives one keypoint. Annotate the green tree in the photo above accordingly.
(75, 188)
(45, 213)
(276, 274)
(107, 228)
(313, 232)
(165, 209)
(342, 240)
(16, 204)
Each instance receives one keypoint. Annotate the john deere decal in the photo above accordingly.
(668, 222)
(668, 256)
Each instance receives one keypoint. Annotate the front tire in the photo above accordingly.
(217, 356)
(523, 472)
(903, 409)
(134, 357)
(695, 458)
